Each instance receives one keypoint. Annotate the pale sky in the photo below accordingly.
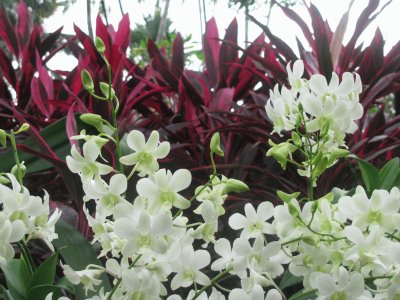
(185, 18)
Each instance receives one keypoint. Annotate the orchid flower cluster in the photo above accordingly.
(23, 217)
(318, 115)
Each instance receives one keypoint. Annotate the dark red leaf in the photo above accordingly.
(177, 59)
(7, 33)
(7, 69)
(211, 48)
(123, 35)
(228, 54)
(23, 25)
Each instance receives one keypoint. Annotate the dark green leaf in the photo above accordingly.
(11, 271)
(5, 294)
(389, 174)
(77, 252)
(369, 174)
(41, 291)
(302, 295)
(56, 137)
(288, 279)
(45, 273)
(25, 274)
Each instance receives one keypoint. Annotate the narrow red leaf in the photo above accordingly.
(211, 48)
(23, 25)
(228, 54)
(123, 34)
(177, 59)
(7, 33)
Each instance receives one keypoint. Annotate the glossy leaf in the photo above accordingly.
(11, 272)
(44, 274)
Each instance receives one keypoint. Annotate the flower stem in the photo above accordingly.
(27, 257)
(16, 158)
(212, 283)
(120, 278)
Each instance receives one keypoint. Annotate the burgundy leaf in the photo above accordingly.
(372, 60)
(211, 48)
(7, 70)
(177, 59)
(223, 100)
(49, 41)
(7, 33)
(322, 43)
(281, 46)
(228, 54)
(123, 35)
(23, 25)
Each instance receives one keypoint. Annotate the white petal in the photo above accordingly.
(152, 142)
(162, 150)
(265, 211)
(355, 235)
(90, 150)
(318, 84)
(136, 140)
(145, 187)
(223, 247)
(118, 184)
(201, 258)
(237, 221)
(356, 286)
(298, 68)
(325, 285)
(273, 295)
(180, 180)
(250, 212)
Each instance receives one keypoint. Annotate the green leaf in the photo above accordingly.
(369, 174)
(288, 279)
(302, 295)
(41, 291)
(5, 294)
(11, 271)
(77, 252)
(24, 275)
(45, 273)
(56, 137)
(389, 174)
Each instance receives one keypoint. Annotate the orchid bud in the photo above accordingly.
(22, 169)
(293, 210)
(105, 89)
(287, 197)
(234, 185)
(94, 120)
(3, 138)
(100, 47)
(4, 180)
(215, 144)
(24, 127)
(87, 81)
(296, 139)
(312, 240)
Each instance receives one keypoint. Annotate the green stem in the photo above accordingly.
(16, 158)
(213, 282)
(27, 257)
(120, 279)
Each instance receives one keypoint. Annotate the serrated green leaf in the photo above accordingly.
(369, 174)
(45, 273)
(77, 252)
(11, 272)
(389, 174)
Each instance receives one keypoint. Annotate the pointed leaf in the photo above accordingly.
(11, 272)
(389, 174)
(211, 48)
(45, 273)
(228, 54)
(23, 25)
(369, 174)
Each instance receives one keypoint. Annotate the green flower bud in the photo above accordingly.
(234, 185)
(312, 240)
(215, 144)
(296, 139)
(4, 180)
(281, 152)
(336, 154)
(23, 128)
(3, 138)
(87, 81)
(100, 47)
(287, 197)
(94, 120)
(293, 210)
(105, 89)
(22, 169)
